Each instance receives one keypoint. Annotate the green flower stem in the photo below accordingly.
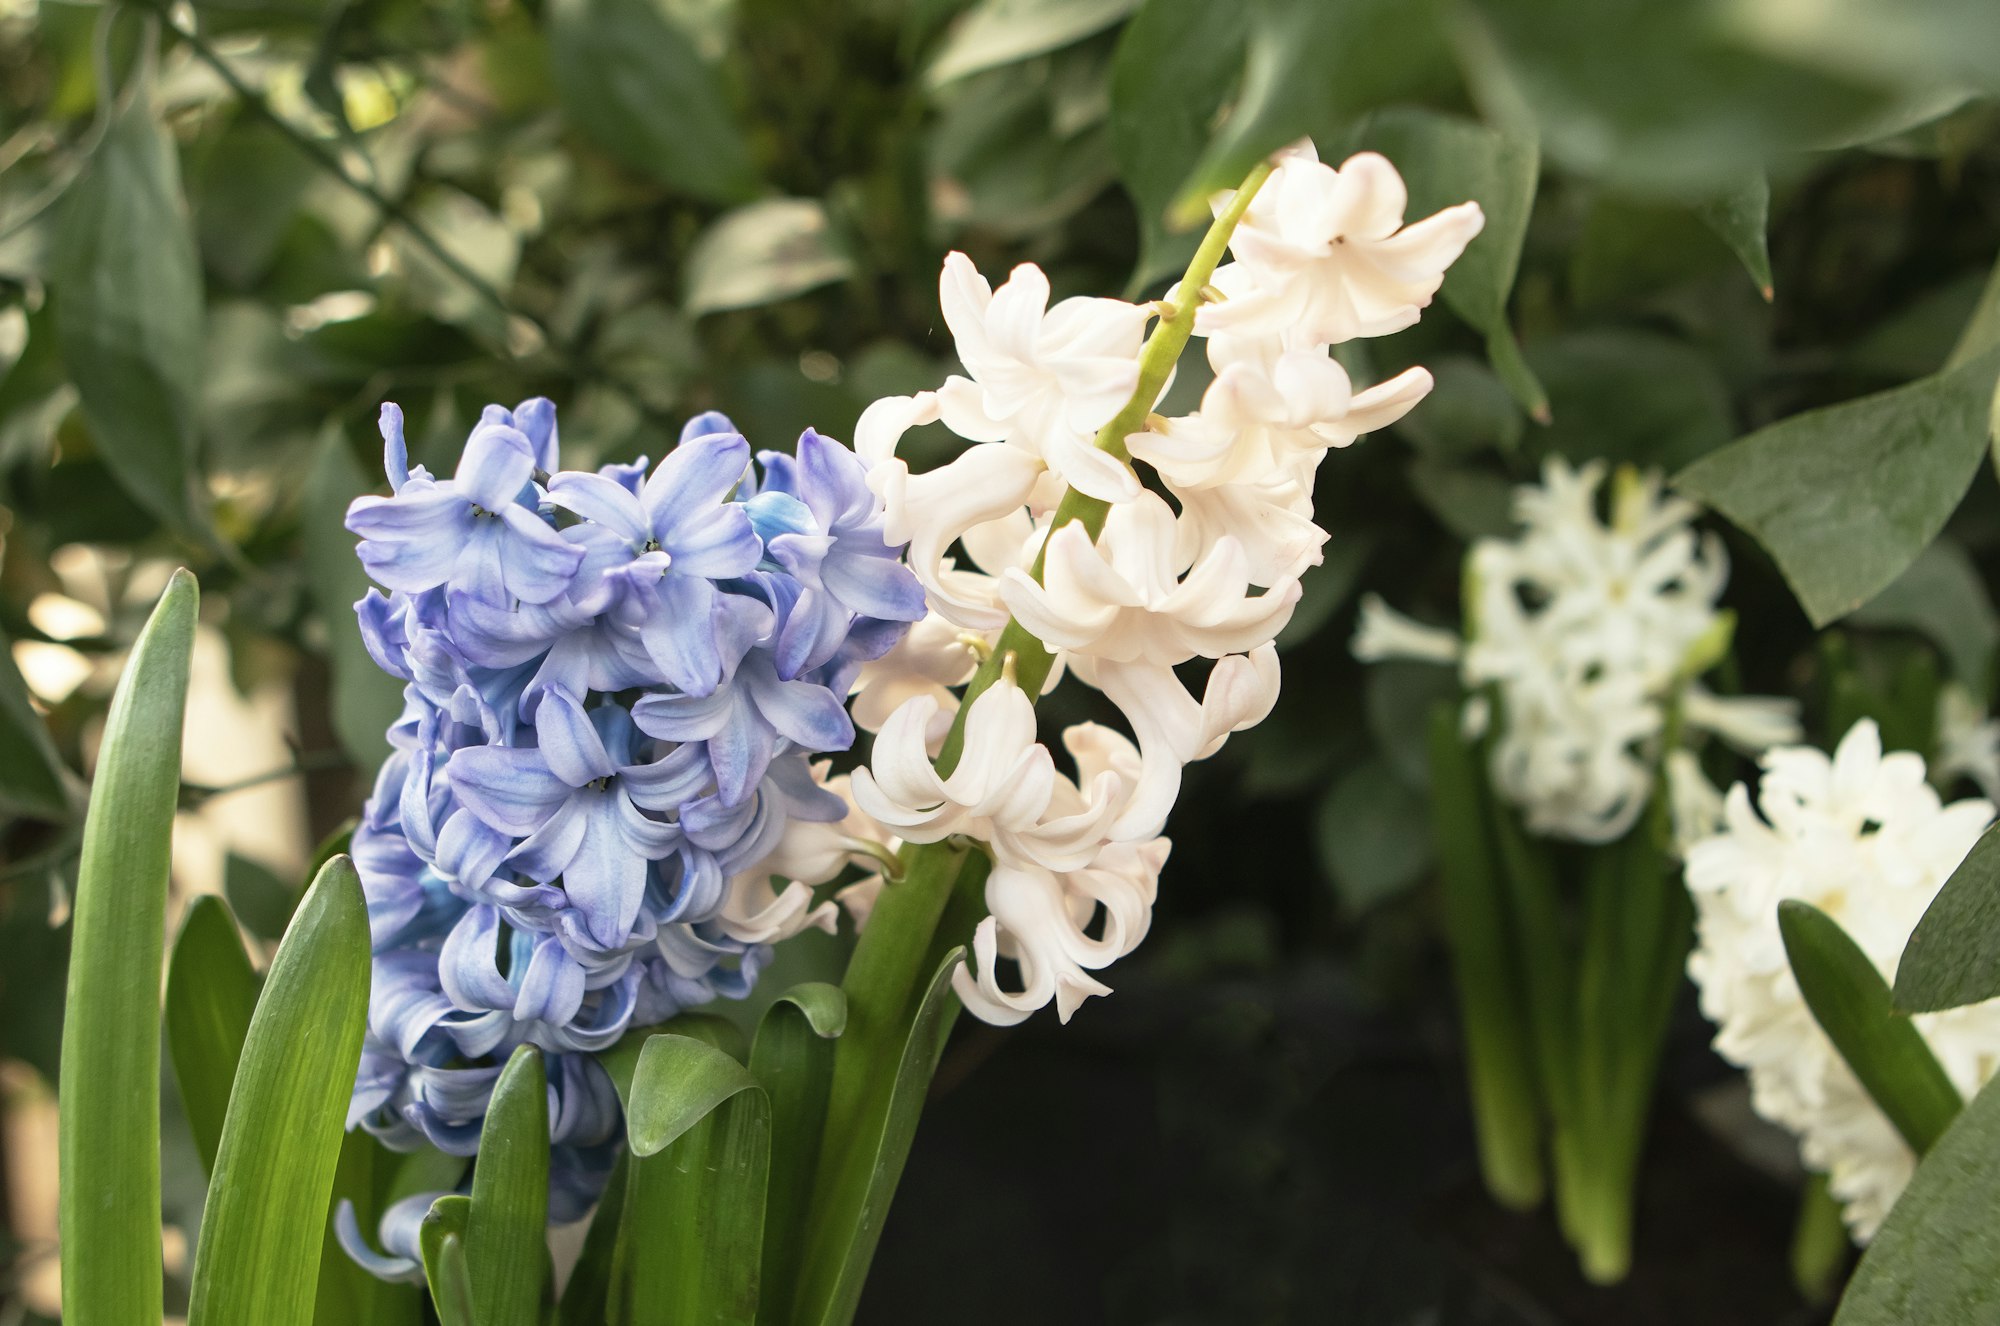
(1819, 1243)
(898, 949)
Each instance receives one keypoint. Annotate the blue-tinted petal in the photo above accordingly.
(510, 788)
(695, 477)
(395, 453)
(606, 878)
(569, 742)
(412, 541)
(604, 501)
(548, 852)
(705, 424)
(536, 418)
(497, 464)
(537, 564)
(874, 586)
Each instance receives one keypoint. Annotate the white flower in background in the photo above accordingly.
(809, 853)
(1325, 253)
(1865, 839)
(936, 656)
(1968, 742)
(1042, 379)
(1588, 628)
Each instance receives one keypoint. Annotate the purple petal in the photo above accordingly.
(694, 477)
(706, 424)
(497, 464)
(511, 788)
(739, 753)
(467, 969)
(395, 452)
(570, 745)
(602, 500)
(718, 544)
(552, 988)
(547, 852)
(665, 783)
(880, 587)
(683, 717)
(537, 563)
(536, 418)
(469, 850)
(411, 541)
(680, 635)
(810, 715)
(606, 879)
(813, 632)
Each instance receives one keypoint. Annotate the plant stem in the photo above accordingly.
(1819, 1242)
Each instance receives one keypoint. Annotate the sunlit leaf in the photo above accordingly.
(211, 991)
(31, 781)
(999, 32)
(761, 253)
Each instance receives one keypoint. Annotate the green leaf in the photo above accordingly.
(367, 1175)
(1469, 410)
(1001, 32)
(830, 1289)
(1820, 1245)
(793, 1057)
(761, 253)
(211, 991)
(366, 700)
(1175, 62)
(1629, 395)
(699, 1126)
(1492, 1010)
(1982, 329)
(31, 773)
(258, 1263)
(1937, 1257)
(506, 1232)
(631, 81)
(1942, 597)
(1741, 216)
(1310, 65)
(1851, 1002)
(442, 1239)
(1953, 957)
(110, 1081)
(129, 312)
(262, 901)
(1473, 504)
(1845, 497)
(1372, 835)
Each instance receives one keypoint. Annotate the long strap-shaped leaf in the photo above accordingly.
(793, 1057)
(267, 1204)
(1937, 1256)
(699, 1125)
(110, 1077)
(211, 994)
(442, 1241)
(1852, 1004)
(506, 1231)
(831, 1297)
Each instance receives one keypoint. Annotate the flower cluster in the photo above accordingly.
(1865, 839)
(615, 682)
(1202, 566)
(1587, 629)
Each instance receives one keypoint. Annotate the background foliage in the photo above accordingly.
(228, 231)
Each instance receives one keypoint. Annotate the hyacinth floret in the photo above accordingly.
(616, 683)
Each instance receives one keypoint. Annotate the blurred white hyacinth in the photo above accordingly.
(1863, 837)
(1206, 573)
(1588, 627)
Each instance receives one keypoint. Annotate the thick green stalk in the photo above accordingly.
(109, 1140)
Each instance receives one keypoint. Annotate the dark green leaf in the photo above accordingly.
(1324, 589)
(699, 1126)
(1473, 504)
(129, 312)
(1942, 597)
(1374, 841)
(1469, 410)
(506, 1232)
(258, 1263)
(1308, 67)
(1982, 329)
(1630, 395)
(1845, 497)
(442, 1237)
(1953, 957)
(31, 777)
(110, 1085)
(1820, 1244)
(999, 32)
(1741, 215)
(1175, 62)
(1851, 1002)
(793, 1057)
(761, 253)
(1937, 1257)
(261, 900)
(631, 82)
(1399, 695)
(211, 991)
(830, 1289)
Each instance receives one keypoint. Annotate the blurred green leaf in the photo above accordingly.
(1630, 395)
(1953, 956)
(1636, 248)
(1373, 836)
(261, 1235)
(1937, 1258)
(632, 82)
(1400, 696)
(1325, 588)
(1176, 61)
(247, 186)
(1851, 1002)
(1473, 504)
(261, 900)
(699, 1125)
(366, 700)
(1845, 497)
(211, 991)
(506, 1230)
(1741, 216)
(110, 1087)
(1001, 32)
(129, 312)
(31, 778)
(761, 253)
(1942, 596)
(1662, 97)
(1982, 329)
(792, 1056)
(1469, 410)
(1309, 66)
